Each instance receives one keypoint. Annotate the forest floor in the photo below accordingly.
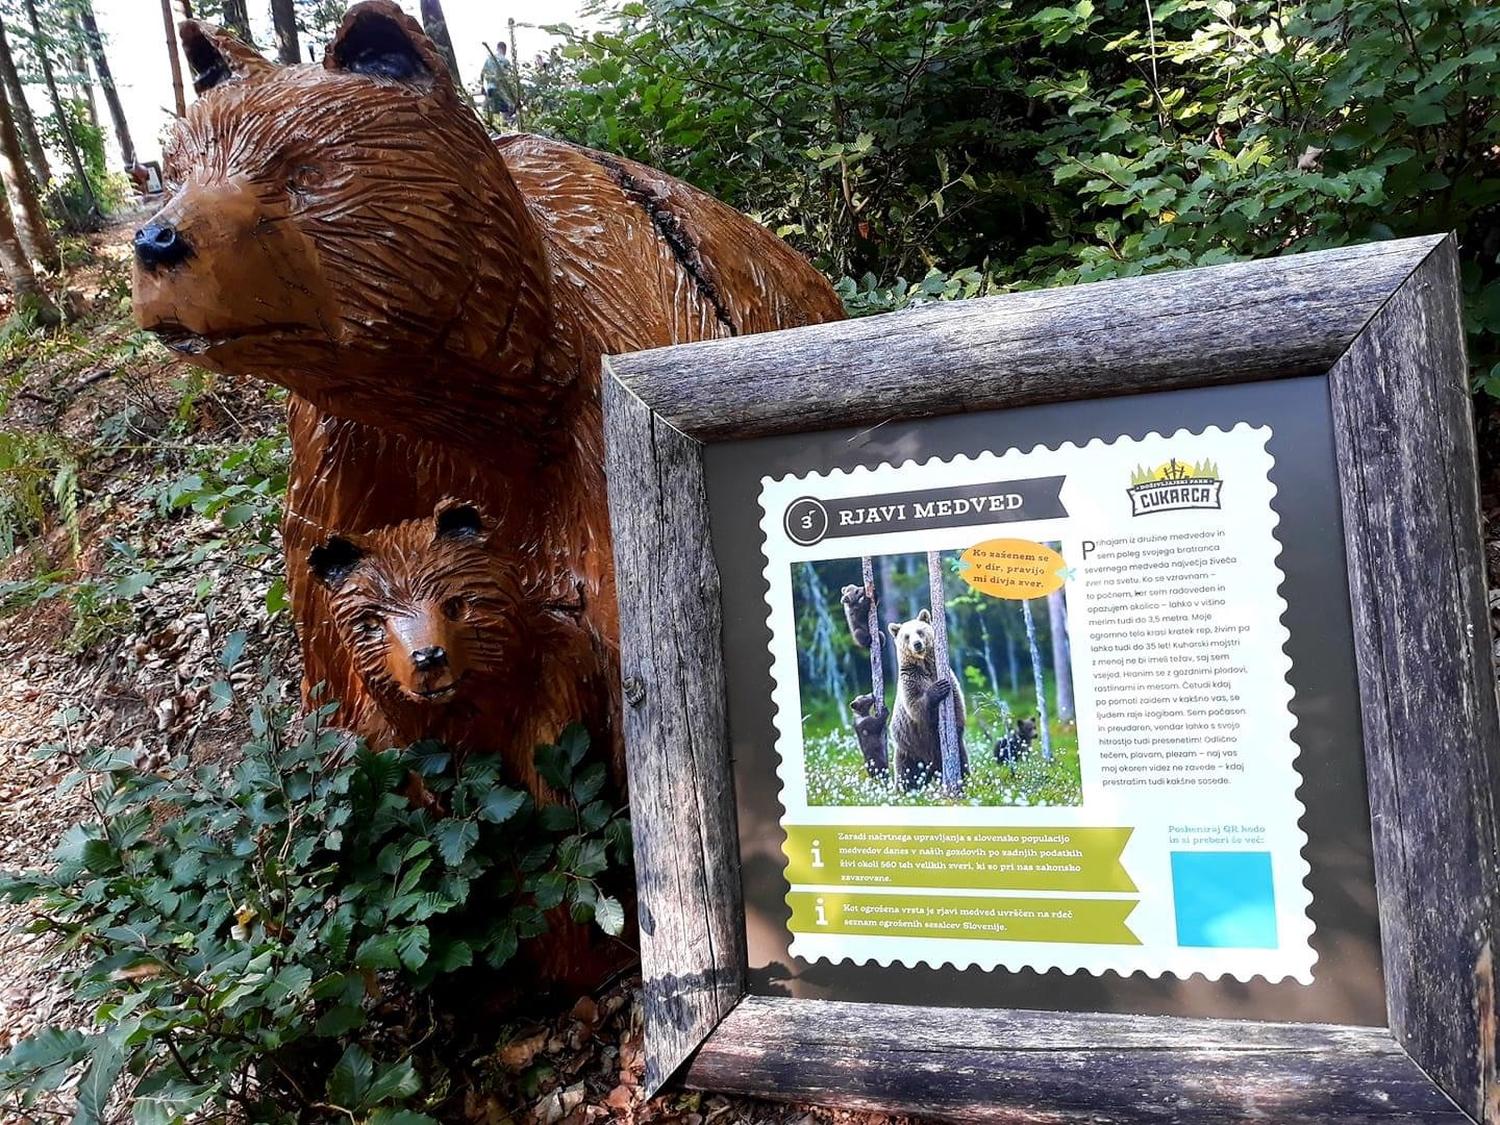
(138, 626)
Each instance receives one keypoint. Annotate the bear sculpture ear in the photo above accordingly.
(334, 561)
(378, 39)
(217, 57)
(458, 519)
(924, 616)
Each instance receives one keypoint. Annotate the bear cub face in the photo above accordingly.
(426, 607)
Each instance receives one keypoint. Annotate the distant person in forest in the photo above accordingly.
(497, 80)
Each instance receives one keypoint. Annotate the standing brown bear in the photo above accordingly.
(438, 303)
(916, 755)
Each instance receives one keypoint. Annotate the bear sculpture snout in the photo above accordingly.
(161, 245)
(429, 659)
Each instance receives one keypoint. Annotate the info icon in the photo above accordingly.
(806, 521)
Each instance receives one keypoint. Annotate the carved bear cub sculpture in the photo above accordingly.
(438, 303)
(456, 638)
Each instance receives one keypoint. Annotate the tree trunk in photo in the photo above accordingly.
(1062, 662)
(169, 27)
(36, 155)
(953, 776)
(26, 208)
(83, 86)
(989, 654)
(823, 664)
(30, 298)
(187, 9)
(65, 129)
(106, 79)
(1037, 679)
(237, 20)
(436, 26)
(284, 19)
(877, 662)
(1014, 662)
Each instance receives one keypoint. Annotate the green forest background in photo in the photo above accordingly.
(988, 648)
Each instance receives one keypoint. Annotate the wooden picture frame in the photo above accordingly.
(1383, 322)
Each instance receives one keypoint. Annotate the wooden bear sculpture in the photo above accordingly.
(437, 302)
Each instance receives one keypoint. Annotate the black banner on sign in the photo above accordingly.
(809, 520)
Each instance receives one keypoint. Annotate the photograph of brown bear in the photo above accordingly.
(1007, 679)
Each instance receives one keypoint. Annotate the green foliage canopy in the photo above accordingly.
(1018, 143)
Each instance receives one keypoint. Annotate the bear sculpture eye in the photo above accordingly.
(455, 608)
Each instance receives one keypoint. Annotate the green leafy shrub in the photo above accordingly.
(238, 930)
(38, 476)
(1043, 143)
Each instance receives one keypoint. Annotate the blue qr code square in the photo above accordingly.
(1224, 900)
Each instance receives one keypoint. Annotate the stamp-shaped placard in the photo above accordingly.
(1099, 628)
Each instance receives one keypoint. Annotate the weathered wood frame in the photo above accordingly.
(1384, 323)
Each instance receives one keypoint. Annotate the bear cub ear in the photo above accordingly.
(334, 561)
(378, 39)
(215, 56)
(924, 616)
(895, 628)
(458, 519)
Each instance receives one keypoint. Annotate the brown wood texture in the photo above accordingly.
(968, 1065)
(1405, 440)
(1225, 324)
(692, 916)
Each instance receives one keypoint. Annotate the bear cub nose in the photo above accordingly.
(428, 659)
(160, 244)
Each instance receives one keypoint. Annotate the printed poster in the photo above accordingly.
(1079, 752)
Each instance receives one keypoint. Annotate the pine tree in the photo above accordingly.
(169, 27)
(36, 153)
(92, 214)
(31, 300)
(106, 79)
(237, 20)
(284, 20)
(436, 26)
(26, 208)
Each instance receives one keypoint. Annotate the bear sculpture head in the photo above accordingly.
(432, 611)
(333, 223)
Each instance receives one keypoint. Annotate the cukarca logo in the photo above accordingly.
(1173, 486)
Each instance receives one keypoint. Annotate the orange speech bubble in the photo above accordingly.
(1018, 569)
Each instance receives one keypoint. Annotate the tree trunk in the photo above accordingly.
(106, 79)
(237, 20)
(877, 663)
(170, 28)
(284, 19)
(30, 299)
(187, 9)
(83, 86)
(64, 124)
(1036, 678)
(1062, 664)
(26, 209)
(989, 654)
(515, 71)
(25, 123)
(436, 26)
(953, 776)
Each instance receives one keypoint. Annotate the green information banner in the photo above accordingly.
(980, 859)
(1089, 921)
